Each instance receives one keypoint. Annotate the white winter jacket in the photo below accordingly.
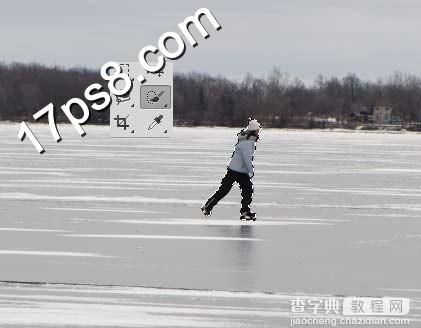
(242, 157)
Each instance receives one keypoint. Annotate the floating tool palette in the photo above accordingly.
(147, 110)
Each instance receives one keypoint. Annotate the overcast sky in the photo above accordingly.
(372, 38)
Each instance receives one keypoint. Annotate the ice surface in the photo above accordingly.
(338, 214)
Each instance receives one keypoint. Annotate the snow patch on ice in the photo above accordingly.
(32, 230)
(214, 238)
(49, 253)
(118, 210)
(220, 222)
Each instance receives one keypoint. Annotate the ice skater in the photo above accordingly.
(240, 169)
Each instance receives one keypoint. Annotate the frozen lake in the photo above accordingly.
(338, 214)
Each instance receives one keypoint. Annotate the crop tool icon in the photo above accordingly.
(121, 121)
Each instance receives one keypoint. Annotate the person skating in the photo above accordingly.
(240, 169)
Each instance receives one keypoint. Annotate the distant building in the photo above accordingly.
(382, 115)
(396, 117)
(364, 115)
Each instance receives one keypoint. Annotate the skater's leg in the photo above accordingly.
(226, 185)
(246, 192)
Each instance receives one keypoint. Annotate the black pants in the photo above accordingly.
(228, 180)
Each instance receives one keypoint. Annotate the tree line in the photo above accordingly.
(277, 100)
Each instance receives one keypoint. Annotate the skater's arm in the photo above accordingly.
(248, 153)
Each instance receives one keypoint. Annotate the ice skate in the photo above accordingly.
(248, 216)
(206, 211)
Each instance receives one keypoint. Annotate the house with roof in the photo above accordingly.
(381, 115)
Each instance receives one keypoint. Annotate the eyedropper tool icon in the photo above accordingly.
(155, 122)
